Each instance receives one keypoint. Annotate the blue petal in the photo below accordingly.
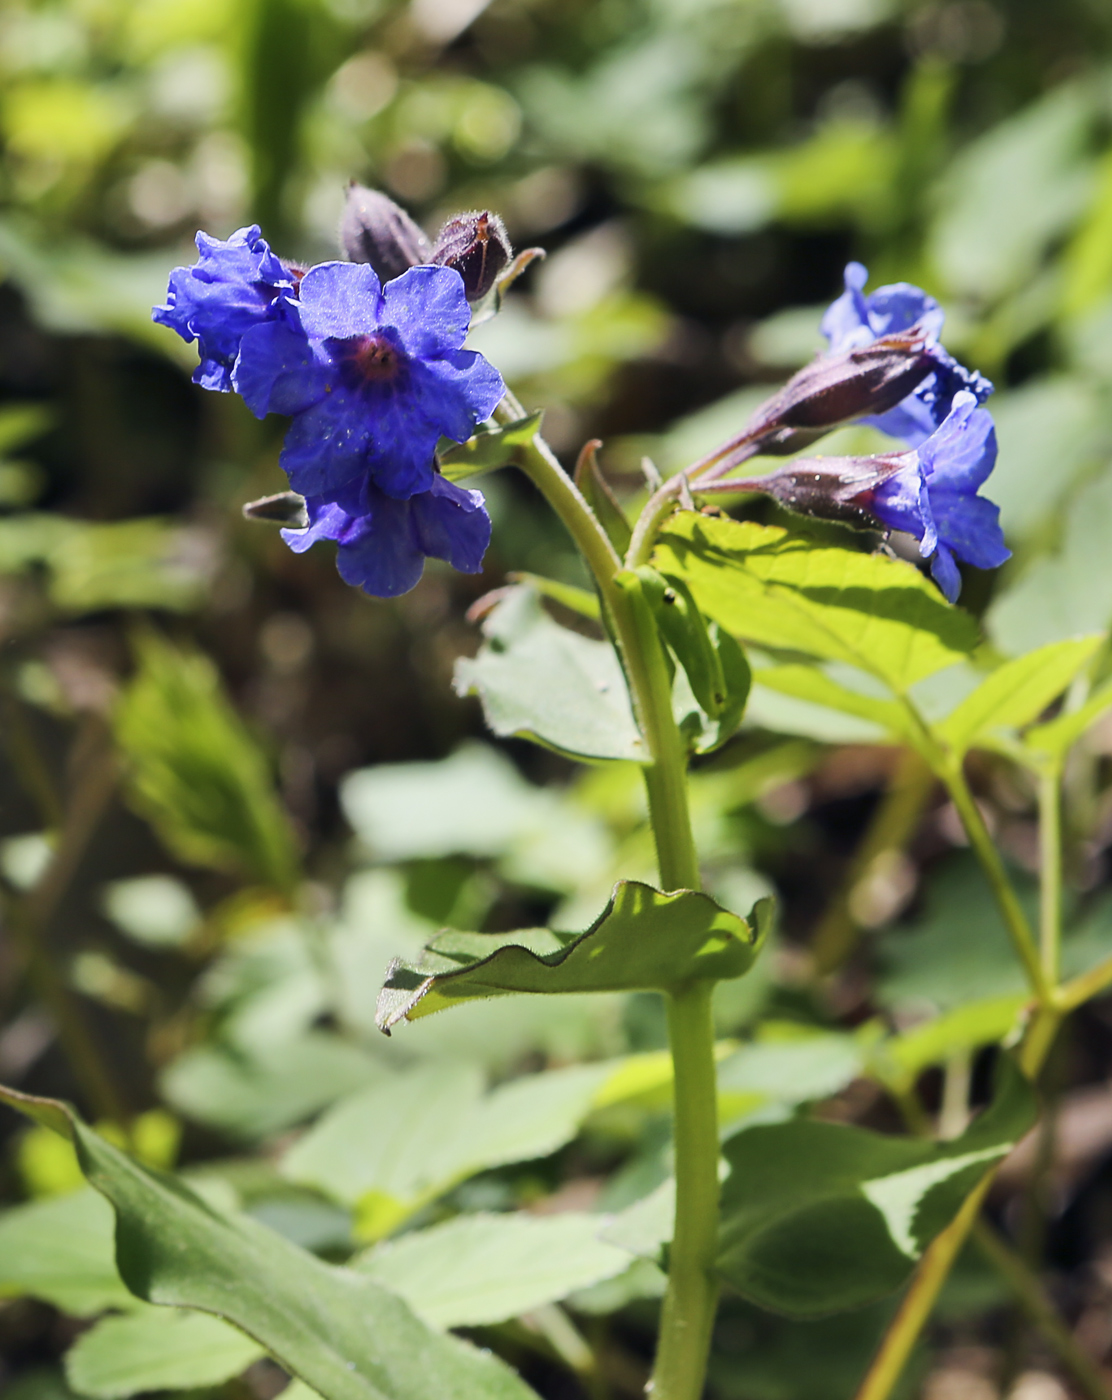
(278, 371)
(327, 521)
(945, 573)
(456, 392)
(328, 444)
(846, 321)
(235, 285)
(970, 526)
(897, 502)
(340, 301)
(452, 523)
(962, 452)
(428, 307)
(899, 305)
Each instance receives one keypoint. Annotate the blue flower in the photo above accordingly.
(384, 542)
(372, 376)
(929, 492)
(933, 495)
(855, 321)
(235, 285)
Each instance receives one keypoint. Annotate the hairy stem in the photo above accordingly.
(689, 1304)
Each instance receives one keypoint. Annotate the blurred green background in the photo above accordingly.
(195, 719)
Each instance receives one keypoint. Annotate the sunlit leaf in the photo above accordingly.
(643, 940)
(1016, 692)
(544, 682)
(780, 589)
(392, 1148)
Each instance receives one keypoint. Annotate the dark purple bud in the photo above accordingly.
(375, 230)
(477, 246)
(834, 488)
(835, 389)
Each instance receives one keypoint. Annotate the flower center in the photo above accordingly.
(376, 358)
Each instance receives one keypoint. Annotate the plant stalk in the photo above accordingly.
(1050, 865)
(993, 867)
(691, 1298)
(1031, 1297)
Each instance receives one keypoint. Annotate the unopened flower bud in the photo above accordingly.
(855, 383)
(375, 230)
(476, 246)
(829, 488)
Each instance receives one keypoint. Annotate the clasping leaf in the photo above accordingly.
(643, 940)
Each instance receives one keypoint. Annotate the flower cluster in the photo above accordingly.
(371, 376)
(856, 321)
(930, 491)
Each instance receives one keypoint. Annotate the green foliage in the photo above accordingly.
(480, 1269)
(818, 1217)
(395, 1147)
(60, 1251)
(196, 772)
(157, 1349)
(1016, 693)
(126, 564)
(779, 589)
(337, 1330)
(542, 681)
(643, 940)
(490, 448)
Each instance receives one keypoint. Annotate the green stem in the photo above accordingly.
(666, 776)
(1029, 1294)
(689, 1305)
(1050, 887)
(935, 1265)
(1014, 918)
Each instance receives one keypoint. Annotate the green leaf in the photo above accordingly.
(62, 1251)
(254, 1094)
(488, 450)
(812, 684)
(782, 590)
(643, 940)
(481, 1269)
(539, 681)
(335, 1329)
(818, 1217)
(577, 600)
(986, 1022)
(392, 1148)
(195, 771)
(157, 1349)
(1058, 736)
(148, 563)
(1016, 692)
(599, 496)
